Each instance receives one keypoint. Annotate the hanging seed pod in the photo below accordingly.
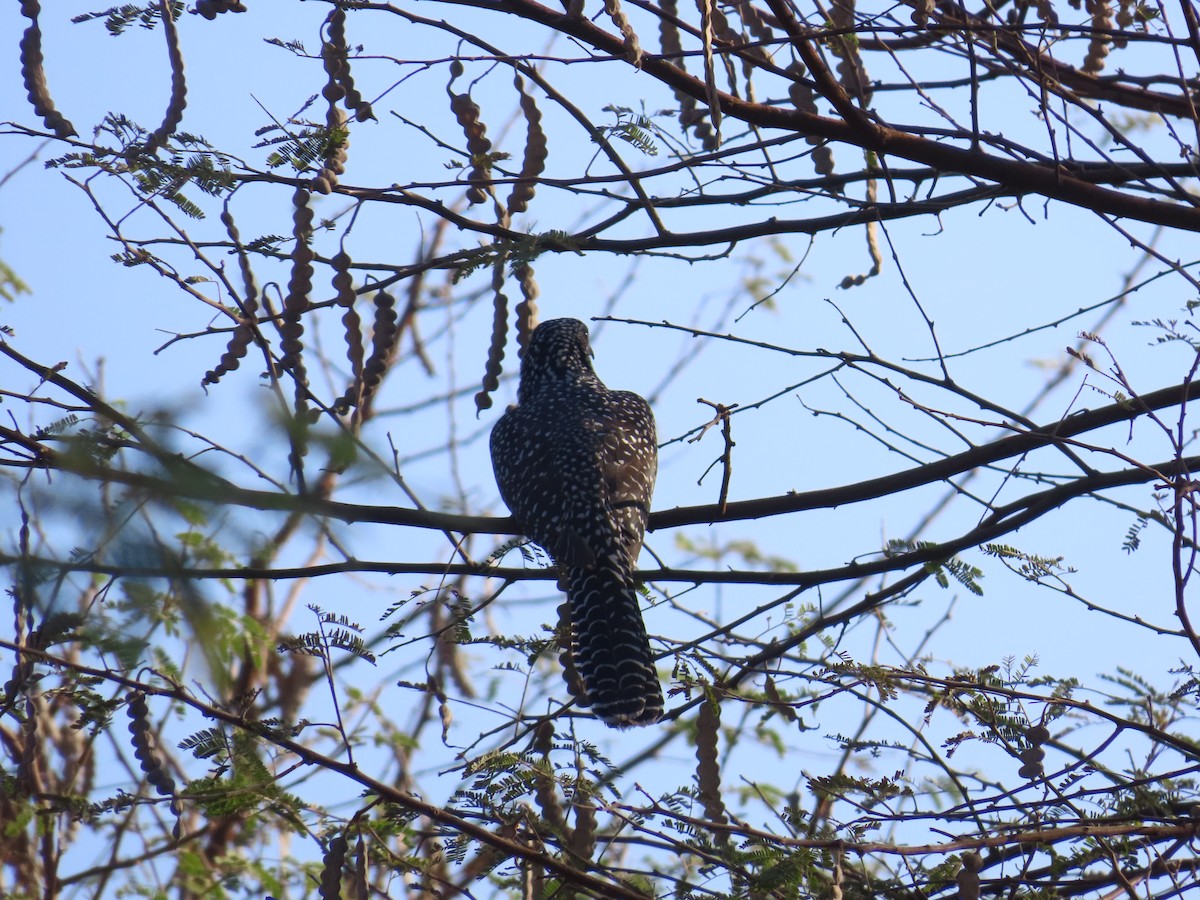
(690, 115)
(583, 836)
(1098, 46)
(1047, 14)
(467, 112)
(299, 289)
(707, 10)
(495, 357)
(968, 876)
(801, 96)
(330, 887)
(1125, 15)
(852, 73)
(243, 332)
(210, 9)
(566, 658)
(383, 341)
(708, 773)
(872, 230)
(545, 788)
(143, 745)
(235, 351)
(337, 37)
(343, 285)
(629, 40)
(291, 329)
(333, 58)
(527, 309)
(536, 152)
(759, 29)
(178, 101)
(34, 74)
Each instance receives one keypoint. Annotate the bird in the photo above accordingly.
(576, 464)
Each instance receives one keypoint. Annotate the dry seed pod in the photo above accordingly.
(708, 9)
(143, 745)
(536, 152)
(545, 788)
(178, 102)
(467, 112)
(334, 164)
(299, 288)
(343, 284)
(235, 351)
(34, 74)
(1124, 20)
(495, 357)
(1097, 52)
(922, 10)
(330, 887)
(1038, 734)
(708, 774)
(801, 96)
(583, 837)
(527, 309)
(852, 73)
(1032, 755)
(1046, 12)
(337, 38)
(968, 884)
(565, 659)
(295, 305)
(632, 48)
(210, 9)
(690, 116)
(243, 333)
(1030, 771)
(758, 29)
(383, 341)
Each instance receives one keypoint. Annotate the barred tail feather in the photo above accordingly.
(611, 648)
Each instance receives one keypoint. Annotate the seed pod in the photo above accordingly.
(466, 111)
(1032, 755)
(690, 116)
(852, 73)
(34, 74)
(330, 887)
(583, 836)
(1098, 46)
(629, 40)
(291, 330)
(1038, 734)
(545, 788)
(968, 884)
(527, 309)
(569, 673)
(495, 357)
(337, 39)
(243, 332)
(178, 101)
(536, 152)
(343, 284)
(143, 745)
(383, 342)
(708, 773)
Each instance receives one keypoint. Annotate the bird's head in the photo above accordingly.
(558, 351)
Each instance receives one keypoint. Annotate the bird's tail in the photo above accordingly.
(610, 646)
